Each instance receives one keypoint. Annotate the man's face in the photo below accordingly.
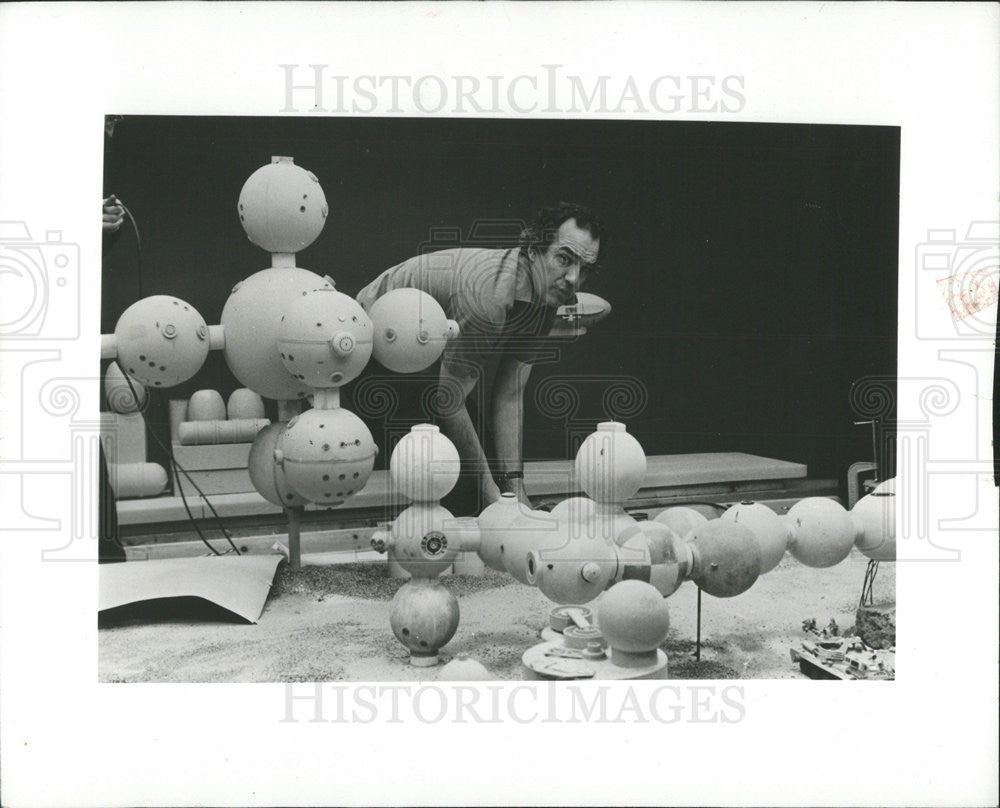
(565, 262)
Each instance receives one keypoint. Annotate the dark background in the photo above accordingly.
(752, 269)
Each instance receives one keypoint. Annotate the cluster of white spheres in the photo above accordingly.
(287, 334)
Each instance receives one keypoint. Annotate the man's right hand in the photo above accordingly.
(112, 215)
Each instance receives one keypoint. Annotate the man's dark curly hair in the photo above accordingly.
(541, 232)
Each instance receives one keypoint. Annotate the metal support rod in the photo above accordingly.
(294, 544)
(867, 588)
(697, 645)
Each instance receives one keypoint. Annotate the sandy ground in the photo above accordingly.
(327, 623)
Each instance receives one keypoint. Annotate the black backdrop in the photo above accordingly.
(752, 269)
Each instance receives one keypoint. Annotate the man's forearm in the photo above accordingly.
(508, 429)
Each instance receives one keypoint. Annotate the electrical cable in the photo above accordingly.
(180, 488)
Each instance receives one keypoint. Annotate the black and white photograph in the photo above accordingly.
(499, 403)
(628, 355)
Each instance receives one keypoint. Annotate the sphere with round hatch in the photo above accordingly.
(325, 338)
(634, 618)
(680, 519)
(725, 558)
(575, 573)
(282, 207)
(120, 395)
(767, 526)
(534, 530)
(424, 617)
(267, 476)
(327, 455)
(423, 541)
(875, 525)
(610, 464)
(493, 523)
(821, 532)
(411, 330)
(424, 465)
(251, 320)
(161, 341)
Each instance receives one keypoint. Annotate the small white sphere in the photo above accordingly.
(610, 464)
(161, 341)
(767, 526)
(327, 455)
(411, 330)
(424, 465)
(822, 532)
(875, 520)
(325, 338)
(282, 207)
(633, 617)
(251, 320)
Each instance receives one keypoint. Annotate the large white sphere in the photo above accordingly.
(426, 539)
(267, 476)
(822, 532)
(875, 523)
(282, 207)
(161, 341)
(633, 617)
(327, 455)
(424, 465)
(411, 330)
(610, 464)
(767, 526)
(493, 522)
(325, 338)
(251, 321)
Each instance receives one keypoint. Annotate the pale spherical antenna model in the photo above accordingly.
(726, 558)
(411, 330)
(266, 475)
(767, 526)
(324, 338)
(282, 207)
(327, 455)
(425, 464)
(875, 523)
(161, 341)
(610, 464)
(251, 320)
(821, 532)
